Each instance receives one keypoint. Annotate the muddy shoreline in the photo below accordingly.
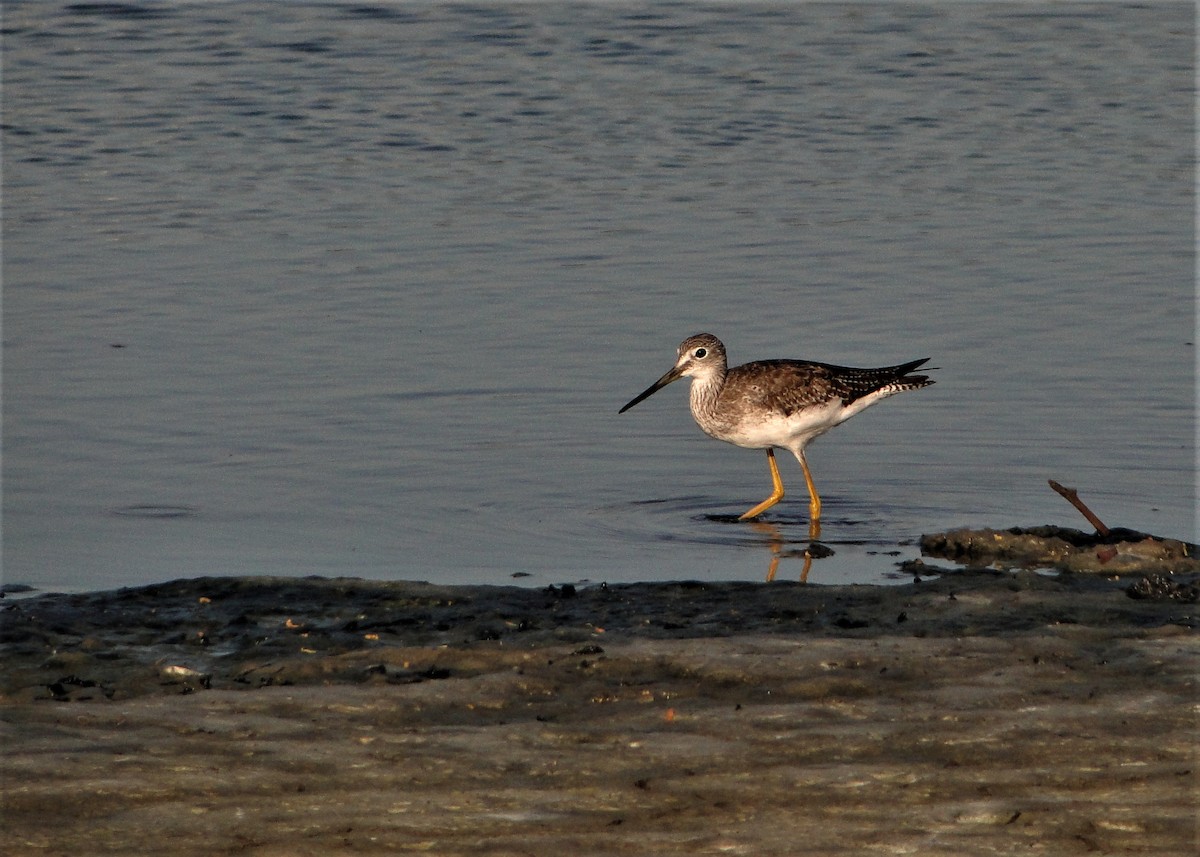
(976, 712)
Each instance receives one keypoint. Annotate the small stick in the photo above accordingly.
(1072, 497)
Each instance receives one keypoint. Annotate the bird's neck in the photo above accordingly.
(706, 389)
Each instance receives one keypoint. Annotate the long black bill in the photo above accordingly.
(673, 375)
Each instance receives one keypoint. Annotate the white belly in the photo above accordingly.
(792, 433)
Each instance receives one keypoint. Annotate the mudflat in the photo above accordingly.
(968, 713)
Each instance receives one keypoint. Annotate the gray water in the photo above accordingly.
(357, 289)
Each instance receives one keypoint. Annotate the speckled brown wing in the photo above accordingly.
(782, 386)
(787, 386)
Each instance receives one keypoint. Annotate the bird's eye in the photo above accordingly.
(701, 353)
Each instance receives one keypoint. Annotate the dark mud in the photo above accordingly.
(241, 633)
(972, 713)
(1117, 551)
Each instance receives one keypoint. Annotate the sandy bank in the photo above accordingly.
(978, 713)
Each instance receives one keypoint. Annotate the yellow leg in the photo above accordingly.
(814, 499)
(776, 495)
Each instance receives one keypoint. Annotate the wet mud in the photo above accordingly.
(1117, 551)
(971, 712)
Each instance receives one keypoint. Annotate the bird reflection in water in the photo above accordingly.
(782, 548)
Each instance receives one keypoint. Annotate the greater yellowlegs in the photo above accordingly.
(778, 403)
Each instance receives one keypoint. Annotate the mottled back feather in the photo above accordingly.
(788, 386)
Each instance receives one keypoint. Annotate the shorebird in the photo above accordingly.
(778, 403)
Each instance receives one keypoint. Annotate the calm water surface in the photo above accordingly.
(357, 289)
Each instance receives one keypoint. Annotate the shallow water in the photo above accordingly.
(358, 289)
